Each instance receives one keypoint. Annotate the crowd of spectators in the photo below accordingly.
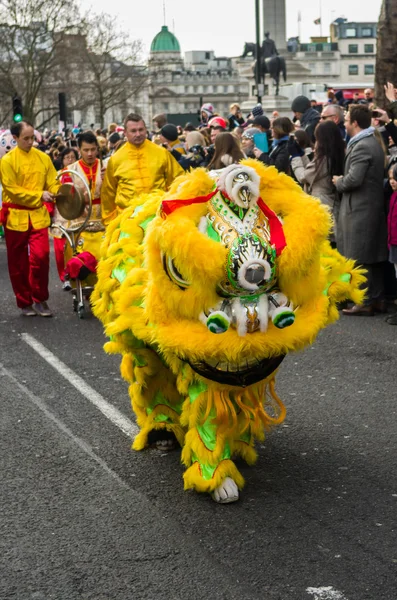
(342, 151)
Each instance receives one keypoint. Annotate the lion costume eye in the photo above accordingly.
(173, 273)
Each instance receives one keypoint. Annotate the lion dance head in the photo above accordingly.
(204, 290)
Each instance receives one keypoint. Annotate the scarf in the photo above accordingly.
(276, 142)
(359, 136)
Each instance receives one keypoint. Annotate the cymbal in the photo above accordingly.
(70, 201)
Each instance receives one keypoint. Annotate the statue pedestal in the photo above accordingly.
(270, 103)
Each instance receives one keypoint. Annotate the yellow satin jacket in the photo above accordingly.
(24, 177)
(135, 170)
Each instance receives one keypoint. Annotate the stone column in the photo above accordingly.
(274, 22)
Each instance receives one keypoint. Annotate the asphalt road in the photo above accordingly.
(82, 517)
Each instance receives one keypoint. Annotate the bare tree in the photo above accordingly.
(115, 63)
(32, 31)
(386, 64)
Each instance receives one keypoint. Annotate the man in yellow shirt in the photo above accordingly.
(140, 166)
(28, 178)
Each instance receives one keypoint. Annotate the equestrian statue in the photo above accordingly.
(271, 62)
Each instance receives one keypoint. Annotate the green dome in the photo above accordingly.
(165, 41)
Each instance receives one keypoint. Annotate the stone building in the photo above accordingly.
(357, 50)
(180, 85)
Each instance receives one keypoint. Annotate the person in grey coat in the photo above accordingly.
(361, 219)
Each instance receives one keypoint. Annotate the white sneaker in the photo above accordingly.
(227, 492)
(67, 286)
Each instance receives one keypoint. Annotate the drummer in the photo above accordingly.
(29, 180)
(88, 167)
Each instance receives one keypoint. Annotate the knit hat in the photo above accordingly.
(170, 132)
(257, 110)
(300, 104)
(249, 133)
(262, 121)
(208, 109)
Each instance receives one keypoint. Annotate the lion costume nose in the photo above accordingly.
(255, 274)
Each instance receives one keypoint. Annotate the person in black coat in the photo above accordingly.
(307, 116)
(282, 128)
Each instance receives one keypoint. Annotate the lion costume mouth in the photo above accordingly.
(238, 375)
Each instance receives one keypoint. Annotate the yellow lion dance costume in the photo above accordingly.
(204, 290)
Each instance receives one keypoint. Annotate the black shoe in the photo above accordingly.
(392, 319)
(380, 306)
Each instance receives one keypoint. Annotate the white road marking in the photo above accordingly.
(83, 445)
(325, 593)
(107, 409)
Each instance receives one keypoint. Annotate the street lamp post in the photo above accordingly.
(258, 68)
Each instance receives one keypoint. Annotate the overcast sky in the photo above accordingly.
(224, 25)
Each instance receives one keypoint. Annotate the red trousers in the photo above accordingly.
(59, 249)
(28, 255)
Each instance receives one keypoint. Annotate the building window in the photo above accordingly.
(351, 32)
(225, 89)
(166, 106)
(353, 48)
(369, 48)
(367, 32)
(207, 56)
(312, 67)
(327, 68)
(353, 69)
(369, 69)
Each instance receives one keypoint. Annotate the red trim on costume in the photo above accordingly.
(168, 206)
(7, 205)
(96, 201)
(277, 237)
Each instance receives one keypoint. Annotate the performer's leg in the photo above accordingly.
(207, 450)
(18, 265)
(154, 397)
(39, 258)
(59, 250)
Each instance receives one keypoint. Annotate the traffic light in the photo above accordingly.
(62, 107)
(17, 109)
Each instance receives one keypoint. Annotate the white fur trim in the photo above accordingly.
(263, 312)
(202, 226)
(203, 318)
(225, 183)
(224, 173)
(241, 317)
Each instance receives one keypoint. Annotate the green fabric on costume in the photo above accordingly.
(146, 222)
(195, 389)
(159, 399)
